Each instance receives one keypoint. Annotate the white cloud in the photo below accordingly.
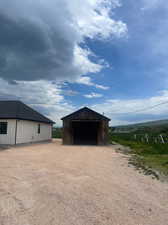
(93, 95)
(87, 81)
(128, 109)
(101, 87)
(44, 96)
(32, 92)
(84, 63)
(95, 15)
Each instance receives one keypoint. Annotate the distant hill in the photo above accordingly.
(151, 126)
(147, 124)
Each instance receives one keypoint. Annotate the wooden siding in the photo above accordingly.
(85, 115)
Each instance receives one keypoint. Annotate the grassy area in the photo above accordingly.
(154, 156)
(57, 132)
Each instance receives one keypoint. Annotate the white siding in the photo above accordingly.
(9, 138)
(27, 132)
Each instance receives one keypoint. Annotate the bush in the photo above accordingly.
(57, 133)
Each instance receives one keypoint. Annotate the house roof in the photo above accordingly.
(18, 110)
(85, 114)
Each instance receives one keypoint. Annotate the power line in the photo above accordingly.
(144, 109)
(154, 106)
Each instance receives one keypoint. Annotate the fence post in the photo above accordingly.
(147, 139)
(162, 139)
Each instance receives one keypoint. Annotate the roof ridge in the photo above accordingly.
(87, 108)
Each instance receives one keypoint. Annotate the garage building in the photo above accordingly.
(85, 127)
(21, 124)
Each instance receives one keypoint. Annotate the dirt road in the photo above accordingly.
(51, 184)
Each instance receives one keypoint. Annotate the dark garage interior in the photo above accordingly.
(85, 132)
(85, 127)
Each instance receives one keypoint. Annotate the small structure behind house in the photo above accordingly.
(21, 124)
(85, 127)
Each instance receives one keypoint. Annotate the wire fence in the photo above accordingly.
(150, 138)
(144, 138)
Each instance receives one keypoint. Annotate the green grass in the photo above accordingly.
(154, 156)
(57, 133)
(158, 162)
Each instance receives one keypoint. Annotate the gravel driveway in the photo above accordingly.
(51, 184)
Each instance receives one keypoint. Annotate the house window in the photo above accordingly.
(3, 127)
(38, 128)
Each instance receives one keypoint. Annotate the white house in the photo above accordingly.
(21, 124)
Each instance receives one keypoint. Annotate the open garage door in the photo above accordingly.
(85, 132)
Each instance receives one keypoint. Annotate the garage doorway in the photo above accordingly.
(85, 132)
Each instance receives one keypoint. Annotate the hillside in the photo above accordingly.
(151, 126)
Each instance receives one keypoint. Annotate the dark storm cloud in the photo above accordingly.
(41, 40)
(32, 51)
(21, 35)
(12, 82)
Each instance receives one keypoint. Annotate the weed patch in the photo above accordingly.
(151, 159)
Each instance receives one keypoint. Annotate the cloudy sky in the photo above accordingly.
(110, 55)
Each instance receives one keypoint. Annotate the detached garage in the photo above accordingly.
(21, 124)
(85, 127)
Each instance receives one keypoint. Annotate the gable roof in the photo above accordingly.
(18, 110)
(85, 114)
